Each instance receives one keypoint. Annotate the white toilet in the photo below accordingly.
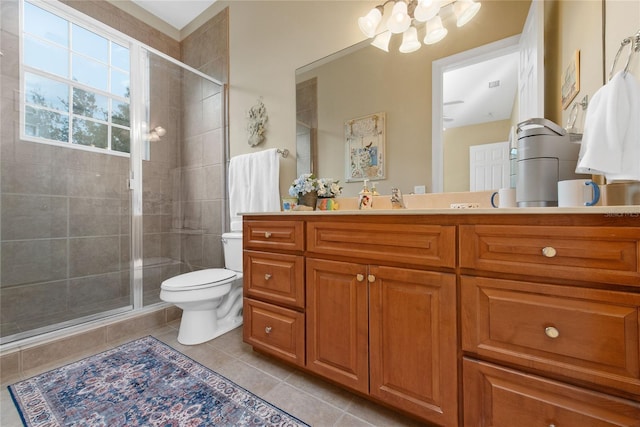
(210, 299)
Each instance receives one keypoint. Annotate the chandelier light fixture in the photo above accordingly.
(406, 17)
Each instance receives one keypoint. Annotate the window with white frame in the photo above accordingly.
(75, 81)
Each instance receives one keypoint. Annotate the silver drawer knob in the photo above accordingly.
(371, 278)
(359, 277)
(267, 276)
(267, 234)
(551, 332)
(549, 251)
(267, 330)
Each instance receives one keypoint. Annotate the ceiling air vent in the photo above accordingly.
(494, 83)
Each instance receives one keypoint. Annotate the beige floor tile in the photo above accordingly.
(379, 415)
(348, 420)
(249, 377)
(208, 356)
(9, 416)
(321, 389)
(269, 365)
(305, 406)
(232, 343)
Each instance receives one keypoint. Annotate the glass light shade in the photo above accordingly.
(399, 20)
(410, 41)
(465, 10)
(370, 22)
(426, 10)
(382, 41)
(435, 31)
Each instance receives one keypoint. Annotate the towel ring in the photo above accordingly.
(634, 42)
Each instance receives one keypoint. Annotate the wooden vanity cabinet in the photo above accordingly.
(459, 319)
(273, 276)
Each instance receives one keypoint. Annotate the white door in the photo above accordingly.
(531, 67)
(489, 166)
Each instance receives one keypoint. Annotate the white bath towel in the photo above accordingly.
(611, 140)
(254, 184)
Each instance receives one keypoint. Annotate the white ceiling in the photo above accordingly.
(177, 13)
(480, 103)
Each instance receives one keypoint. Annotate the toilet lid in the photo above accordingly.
(198, 279)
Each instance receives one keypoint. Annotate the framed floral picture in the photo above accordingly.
(365, 147)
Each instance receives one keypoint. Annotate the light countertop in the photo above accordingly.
(626, 211)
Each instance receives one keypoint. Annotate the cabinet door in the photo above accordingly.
(337, 330)
(413, 342)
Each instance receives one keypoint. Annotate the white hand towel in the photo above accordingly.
(254, 184)
(629, 91)
(610, 143)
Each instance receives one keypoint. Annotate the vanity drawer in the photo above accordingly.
(273, 235)
(500, 397)
(589, 335)
(416, 244)
(601, 254)
(275, 330)
(273, 277)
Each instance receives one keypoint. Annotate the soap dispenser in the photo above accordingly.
(365, 200)
(374, 192)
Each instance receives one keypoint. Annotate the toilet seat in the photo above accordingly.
(199, 279)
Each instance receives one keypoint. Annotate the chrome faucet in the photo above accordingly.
(396, 199)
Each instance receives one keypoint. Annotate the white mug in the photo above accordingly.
(578, 192)
(506, 198)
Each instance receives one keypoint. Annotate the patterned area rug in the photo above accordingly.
(142, 383)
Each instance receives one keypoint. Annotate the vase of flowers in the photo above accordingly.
(328, 188)
(307, 188)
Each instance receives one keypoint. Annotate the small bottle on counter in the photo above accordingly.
(365, 199)
(374, 192)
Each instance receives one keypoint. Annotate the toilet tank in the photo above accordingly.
(232, 246)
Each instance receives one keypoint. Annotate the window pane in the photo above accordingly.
(90, 72)
(120, 113)
(45, 24)
(119, 56)
(46, 124)
(120, 139)
(90, 104)
(47, 57)
(46, 93)
(90, 44)
(87, 132)
(120, 83)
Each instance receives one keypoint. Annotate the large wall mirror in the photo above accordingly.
(364, 80)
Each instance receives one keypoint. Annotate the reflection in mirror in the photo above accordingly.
(479, 111)
(363, 80)
(306, 126)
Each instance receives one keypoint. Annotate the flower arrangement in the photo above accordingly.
(307, 183)
(328, 187)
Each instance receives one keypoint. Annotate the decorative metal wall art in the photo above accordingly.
(257, 121)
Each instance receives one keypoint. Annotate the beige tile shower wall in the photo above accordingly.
(202, 145)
